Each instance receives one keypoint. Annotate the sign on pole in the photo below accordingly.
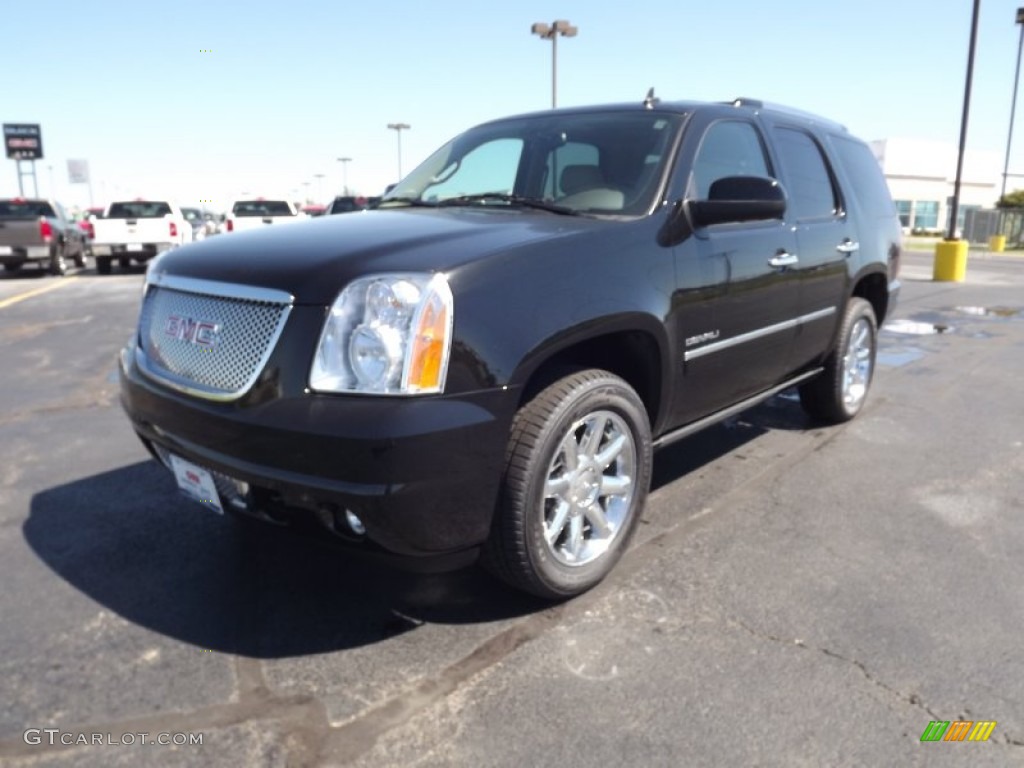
(78, 171)
(24, 141)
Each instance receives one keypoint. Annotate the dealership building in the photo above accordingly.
(921, 176)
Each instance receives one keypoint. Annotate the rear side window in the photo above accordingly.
(728, 148)
(10, 209)
(139, 209)
(261, 208)
(866, 179)
(812, 194)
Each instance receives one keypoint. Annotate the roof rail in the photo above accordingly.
(742, 101)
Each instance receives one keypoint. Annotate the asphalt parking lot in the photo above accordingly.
(796, 595)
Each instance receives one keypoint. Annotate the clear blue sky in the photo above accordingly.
(288, 87)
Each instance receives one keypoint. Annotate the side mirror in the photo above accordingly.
(735, 199)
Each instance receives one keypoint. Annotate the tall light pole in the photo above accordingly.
(398, 128)
(951, 253)
(1013, 107)
(319, 186)
(344, 173)
(560, 27)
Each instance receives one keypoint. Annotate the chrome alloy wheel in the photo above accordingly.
(589, 488)
(857, 363)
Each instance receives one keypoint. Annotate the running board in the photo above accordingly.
(678, 434)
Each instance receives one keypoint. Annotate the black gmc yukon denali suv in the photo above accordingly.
(484, 363)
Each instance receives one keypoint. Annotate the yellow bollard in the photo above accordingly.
(950, 261)
(997, 243)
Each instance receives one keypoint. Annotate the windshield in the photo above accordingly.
(607, 163)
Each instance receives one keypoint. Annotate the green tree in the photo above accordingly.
(1013, 199)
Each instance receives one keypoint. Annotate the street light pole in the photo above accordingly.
(319, 186)
(951, 253)
(398, 128)
(1013, 107)
(560, 27)
(344, 173)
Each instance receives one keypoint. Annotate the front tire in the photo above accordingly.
(838, 394)
(578, 468)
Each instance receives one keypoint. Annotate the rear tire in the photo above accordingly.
(12, 267)
(103, 265)
(124, 262)
(58, 265)
(578, 468)
(838, 394)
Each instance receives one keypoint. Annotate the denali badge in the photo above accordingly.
(200, 332)
(700, 338)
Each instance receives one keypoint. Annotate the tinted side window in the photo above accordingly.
(729, 148)
(809, 184)
(866, 178)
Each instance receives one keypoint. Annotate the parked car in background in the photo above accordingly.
(212, 222)
(348, 204)
(314, 210)
(194, 216)
(137, 230)
(253, 214)
(84, 221)
(40, 231)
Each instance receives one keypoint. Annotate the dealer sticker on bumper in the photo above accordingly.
(196, 483)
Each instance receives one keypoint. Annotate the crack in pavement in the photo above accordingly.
(912, 698)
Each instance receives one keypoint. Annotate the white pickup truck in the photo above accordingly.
(253, 214)
(137, 230)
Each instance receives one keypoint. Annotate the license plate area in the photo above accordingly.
(196, 483)
(134, 247)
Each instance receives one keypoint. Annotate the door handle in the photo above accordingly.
(783, 259)
(848, 246)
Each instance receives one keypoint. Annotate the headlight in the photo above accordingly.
(388, 335)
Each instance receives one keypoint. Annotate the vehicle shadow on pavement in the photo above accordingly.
(131, 543)
(782, 412)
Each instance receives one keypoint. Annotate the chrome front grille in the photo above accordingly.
(209, 339)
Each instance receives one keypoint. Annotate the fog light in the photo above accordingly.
(354, 523)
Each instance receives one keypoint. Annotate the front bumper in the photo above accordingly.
(422, 474)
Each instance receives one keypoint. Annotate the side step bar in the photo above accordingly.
(678, 434)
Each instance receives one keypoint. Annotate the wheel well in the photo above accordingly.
(875, 289)
(630, 355)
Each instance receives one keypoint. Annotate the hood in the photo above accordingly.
(314, 259)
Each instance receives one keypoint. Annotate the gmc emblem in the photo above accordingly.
(202, 333)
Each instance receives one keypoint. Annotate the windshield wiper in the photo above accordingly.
(413, 201)
(501, 197)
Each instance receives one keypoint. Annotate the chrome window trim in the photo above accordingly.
(219, 290)
(757, 334)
